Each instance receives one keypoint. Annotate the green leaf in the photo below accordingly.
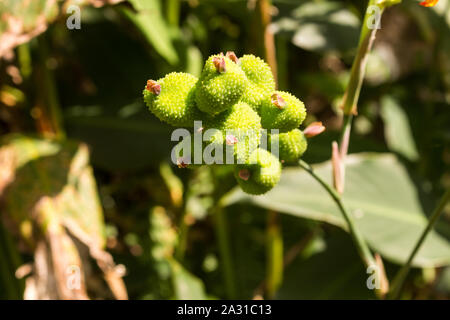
(397, 130)
(381, 197)
(32, 16)
(334, 272)
(186, 285)
(443, 282)
(321, 26)
(194, 61)
(60, 171)
(149, 20)
(22, 20)
(131, 139)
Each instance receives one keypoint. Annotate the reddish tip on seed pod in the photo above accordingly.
(244, 174)
(232, 56)
(314, 129)
(153, 87)
(219, 63)
(278, 101)
(231, 140)
(182, 163)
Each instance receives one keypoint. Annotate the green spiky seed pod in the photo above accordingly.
(221, 85)
(282, 111)
(240, 126)
(260, 175)
(172, 99)
(291, 145)
(260, 80)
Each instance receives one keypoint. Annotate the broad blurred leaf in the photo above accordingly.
(381, 66)
(321, 26)
(53, 190)
(443, 283)
(335, 272)
(186, 285)
(379, 194)
(130, 140)
(48, 168)
(397, 130)
(23, 20)
(149, 20)
(194, 61)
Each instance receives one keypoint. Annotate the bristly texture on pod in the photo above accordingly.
(261, 174)
(240, 128)
(260, 80)
(172, 99)
(220, 86)
(282, 111)
(291, 145)
(236, 98)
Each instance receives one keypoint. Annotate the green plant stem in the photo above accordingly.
(361, 245)
(173, 12)
(50, 104)
(351, 96)
(274, 248)
(400, 277)
(182, 242)
(274, 236)
(288, 258)
(223, 241)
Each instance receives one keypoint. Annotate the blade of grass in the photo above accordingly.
(400, 277)
(361, 245)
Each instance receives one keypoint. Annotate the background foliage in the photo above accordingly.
(120, 208)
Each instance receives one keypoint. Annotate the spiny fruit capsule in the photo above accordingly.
(282, 111)
(261, 174)
(291, 145)
(221, 85)
(172, 99)
(240, 127)
(260, 80)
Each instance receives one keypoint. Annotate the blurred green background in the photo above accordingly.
(63, 204)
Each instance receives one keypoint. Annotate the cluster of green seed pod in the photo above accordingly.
(237, 98)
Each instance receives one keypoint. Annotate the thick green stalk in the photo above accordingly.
(350, 102)
(361, 245)
(399, 280)
(223, 241)
(182, 242)
(173, 12)
(274, 248)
